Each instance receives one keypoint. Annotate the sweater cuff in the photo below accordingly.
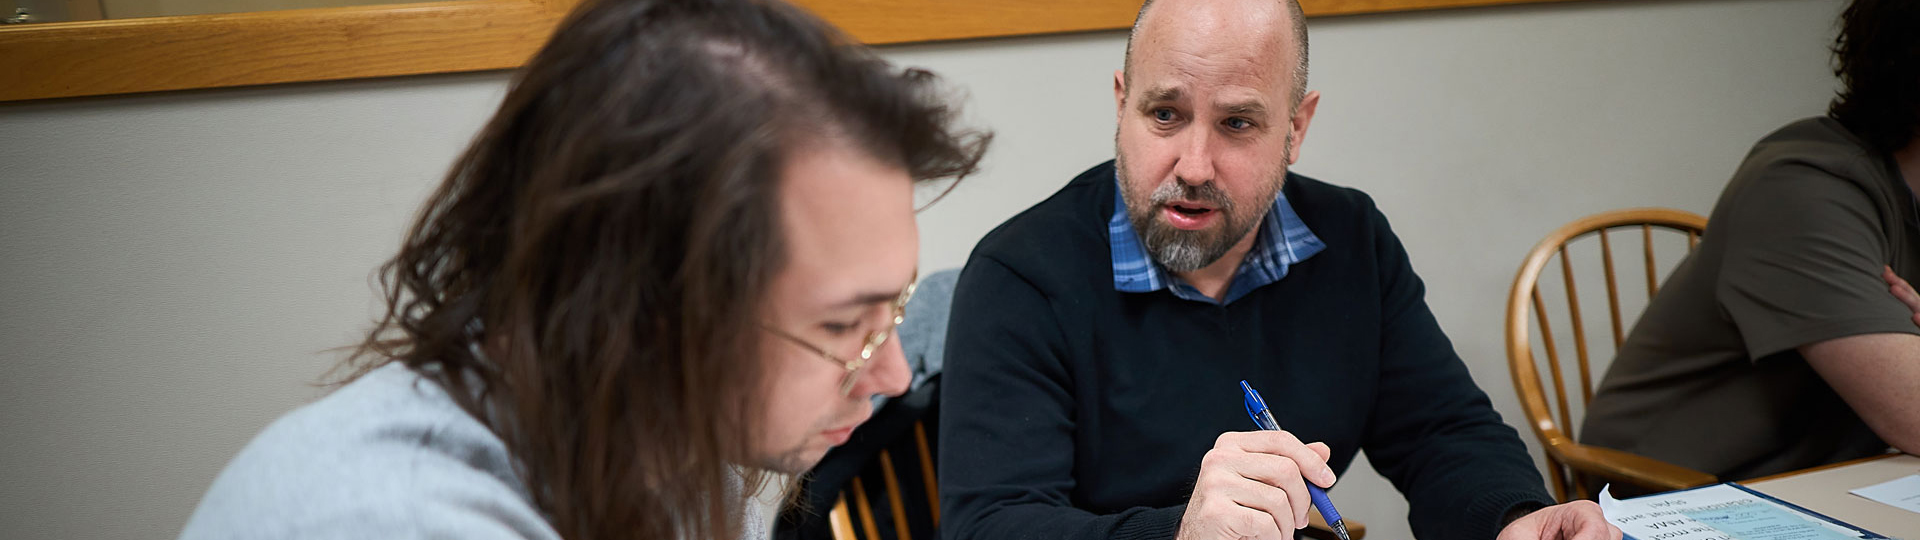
(1488, 513)
(1151, 524)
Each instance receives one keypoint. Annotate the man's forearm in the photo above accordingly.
(1879, 377)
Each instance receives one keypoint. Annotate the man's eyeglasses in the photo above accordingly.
(872, 342)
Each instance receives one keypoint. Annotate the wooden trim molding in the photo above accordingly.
(85, 58)
(205, 51)
(907, 21)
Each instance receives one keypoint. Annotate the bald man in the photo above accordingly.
(1098, 338)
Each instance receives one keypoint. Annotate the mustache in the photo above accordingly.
(1207, 193)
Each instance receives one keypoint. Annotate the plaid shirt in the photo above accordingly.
(1283, 241)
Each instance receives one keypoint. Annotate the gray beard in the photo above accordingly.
(1182, 251)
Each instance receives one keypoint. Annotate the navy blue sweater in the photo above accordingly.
(1071, 410)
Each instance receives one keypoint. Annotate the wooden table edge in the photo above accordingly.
(1789, 474)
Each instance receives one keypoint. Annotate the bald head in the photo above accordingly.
(1291, 18)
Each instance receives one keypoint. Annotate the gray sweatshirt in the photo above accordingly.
(387, 456)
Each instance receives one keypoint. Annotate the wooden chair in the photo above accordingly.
(1567, 460)
(863, 510)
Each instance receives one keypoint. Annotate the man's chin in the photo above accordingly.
(794, 462)
(1201, 234)
(1184, 253)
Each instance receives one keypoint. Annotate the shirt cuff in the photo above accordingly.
(1490, 511)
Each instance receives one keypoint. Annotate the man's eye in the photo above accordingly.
(1238, 123)
(1163, 115)
(840, 328)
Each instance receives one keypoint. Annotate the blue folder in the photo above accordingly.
(1863, 533)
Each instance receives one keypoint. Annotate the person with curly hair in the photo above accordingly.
(1777, 345)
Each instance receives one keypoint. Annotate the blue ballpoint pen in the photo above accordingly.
(1257, 409)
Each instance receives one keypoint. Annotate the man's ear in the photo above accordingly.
(1119, 94)
(1302, 117)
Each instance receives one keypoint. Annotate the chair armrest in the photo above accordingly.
(1631, 468)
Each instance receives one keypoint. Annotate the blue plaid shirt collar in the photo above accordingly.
(1283, 241)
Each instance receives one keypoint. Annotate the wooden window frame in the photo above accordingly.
(88, 58)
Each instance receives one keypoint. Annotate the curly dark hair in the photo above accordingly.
(1877, 56)
(583, 279)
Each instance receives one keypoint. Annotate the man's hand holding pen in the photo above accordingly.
(1252, 485)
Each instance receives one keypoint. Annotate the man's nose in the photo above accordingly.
(1195, 166)
(889, 375)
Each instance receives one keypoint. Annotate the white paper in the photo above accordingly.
(1721, 512)
(1902, 493)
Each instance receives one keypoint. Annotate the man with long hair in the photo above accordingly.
(1775, 346)
(671, 261)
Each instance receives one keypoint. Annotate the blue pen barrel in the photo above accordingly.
(1321, 502)
(1257, 409)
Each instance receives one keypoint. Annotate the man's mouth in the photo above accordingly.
(1189, 215)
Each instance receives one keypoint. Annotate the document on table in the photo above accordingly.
(1721, 512)
(1903, 493)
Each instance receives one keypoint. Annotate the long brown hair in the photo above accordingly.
(588, 277)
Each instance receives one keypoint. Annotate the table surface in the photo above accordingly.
(1825, 490)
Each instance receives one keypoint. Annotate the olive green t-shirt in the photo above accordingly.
(1711, 377)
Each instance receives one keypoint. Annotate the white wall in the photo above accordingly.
(175, 267)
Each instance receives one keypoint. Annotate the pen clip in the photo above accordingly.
(1257, 409)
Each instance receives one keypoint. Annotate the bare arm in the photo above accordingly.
(1878, 374)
